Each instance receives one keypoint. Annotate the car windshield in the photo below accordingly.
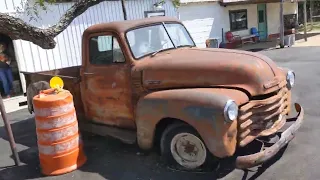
(152, 39)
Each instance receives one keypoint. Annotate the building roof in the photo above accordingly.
(235, 1)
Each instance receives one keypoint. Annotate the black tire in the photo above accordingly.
(210, 163)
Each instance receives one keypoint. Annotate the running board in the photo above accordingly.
(126, 136)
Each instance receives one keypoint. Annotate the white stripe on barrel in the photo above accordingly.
(54, 111)
(60, 134)
(55, 122)
(60, 147)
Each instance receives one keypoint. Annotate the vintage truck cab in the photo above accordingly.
(146, 80)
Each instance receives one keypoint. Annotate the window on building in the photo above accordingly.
(238, 20)
(105, 50)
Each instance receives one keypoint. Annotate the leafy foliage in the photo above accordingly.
(32, 9)
(176, 3)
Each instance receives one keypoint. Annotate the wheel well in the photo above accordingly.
(162, 125)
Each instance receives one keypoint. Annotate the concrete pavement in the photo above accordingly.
(110, 159)
(12, 104)
(312, 40)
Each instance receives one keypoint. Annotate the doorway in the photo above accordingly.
(262, 21)
(16, 89)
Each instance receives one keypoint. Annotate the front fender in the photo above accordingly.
(202, 108)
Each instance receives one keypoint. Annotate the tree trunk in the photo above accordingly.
(16, 28)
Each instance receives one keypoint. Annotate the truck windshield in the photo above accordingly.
(155, 38)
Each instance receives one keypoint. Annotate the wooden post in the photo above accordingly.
(311, 13)
(124, 9)
(281, 25)
(305, 19)
(9, 133)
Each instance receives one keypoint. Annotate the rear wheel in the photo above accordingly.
(183, 148)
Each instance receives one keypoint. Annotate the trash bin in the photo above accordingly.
(289, 40)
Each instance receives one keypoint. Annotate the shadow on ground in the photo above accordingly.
(259, 46)
(301, 35)
(108, 158)
(272, 44)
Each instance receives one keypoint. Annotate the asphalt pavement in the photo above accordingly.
(110, 159)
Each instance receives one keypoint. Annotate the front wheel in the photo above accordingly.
(182, 147)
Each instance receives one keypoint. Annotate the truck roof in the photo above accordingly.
(123, 26)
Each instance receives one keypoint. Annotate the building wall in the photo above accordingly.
(10, 6)
(273, 13)
(206, 20)
(252, 17)
(203, 20)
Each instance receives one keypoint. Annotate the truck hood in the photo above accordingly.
(194, 67)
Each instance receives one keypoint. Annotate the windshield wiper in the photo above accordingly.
(156, 52)
(186, 45)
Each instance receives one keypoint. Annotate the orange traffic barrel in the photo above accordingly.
(59, 143)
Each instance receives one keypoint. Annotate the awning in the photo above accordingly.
(237, 2)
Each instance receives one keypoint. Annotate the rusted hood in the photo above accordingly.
(193, 67)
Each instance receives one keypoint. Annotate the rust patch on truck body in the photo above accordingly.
(193, 67)
(202, 108)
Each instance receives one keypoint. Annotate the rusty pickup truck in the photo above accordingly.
(146, 82)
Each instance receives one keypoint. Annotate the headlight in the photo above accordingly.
(290, 79)
(230, 111)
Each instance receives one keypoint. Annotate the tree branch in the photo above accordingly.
(77, 9)
(16, 28)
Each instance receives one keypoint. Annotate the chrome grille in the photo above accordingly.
(263, 117)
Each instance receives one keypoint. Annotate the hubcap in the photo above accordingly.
(188, 150)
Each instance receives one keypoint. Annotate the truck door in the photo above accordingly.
(106, 89)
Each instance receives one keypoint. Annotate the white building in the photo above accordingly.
(206, 18)
(203, 18)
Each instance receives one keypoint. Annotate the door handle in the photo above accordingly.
(87, 73)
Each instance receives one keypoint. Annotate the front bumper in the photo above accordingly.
(259, 158)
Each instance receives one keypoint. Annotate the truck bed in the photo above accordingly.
(70, 77)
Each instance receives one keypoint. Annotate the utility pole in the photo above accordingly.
(281, 25)
(9, 133)
(305, 19)
(124, 9)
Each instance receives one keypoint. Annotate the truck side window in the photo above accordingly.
(105, 50)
